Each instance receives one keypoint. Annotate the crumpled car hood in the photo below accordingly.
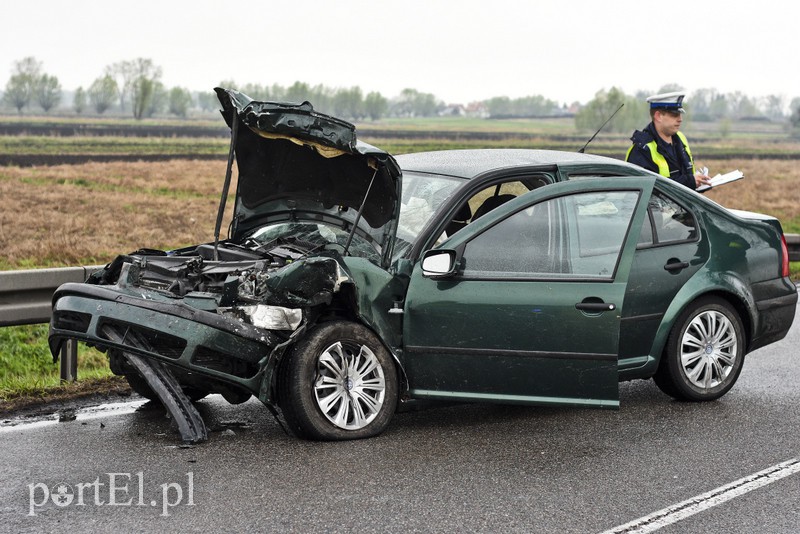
(294, 162)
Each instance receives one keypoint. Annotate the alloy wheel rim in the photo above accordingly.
(709, 349)
(350, 385)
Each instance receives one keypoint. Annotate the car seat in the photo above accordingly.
(491, 203)
(460, 220)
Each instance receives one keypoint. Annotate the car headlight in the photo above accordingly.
(273, 317)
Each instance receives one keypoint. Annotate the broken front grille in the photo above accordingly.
(142, 338)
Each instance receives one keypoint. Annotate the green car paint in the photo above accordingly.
(315, 238)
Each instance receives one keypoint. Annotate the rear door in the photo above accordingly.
(532, 312)
(669, 253)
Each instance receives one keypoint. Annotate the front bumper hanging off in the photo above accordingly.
(193, 342)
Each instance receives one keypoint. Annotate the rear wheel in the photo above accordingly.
(338, 383)
(704, 352)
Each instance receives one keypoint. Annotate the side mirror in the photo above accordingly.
(438, 263)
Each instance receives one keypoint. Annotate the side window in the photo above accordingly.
(495, 196)
(489, 198)
(579, 235)
(666, 222)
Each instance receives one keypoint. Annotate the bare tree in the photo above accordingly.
(348, 103)
(48, 92)
(102, 93)
(79, 100)
(794, 116)
(742, 105)
(255, 91)
(375, 105)
(22, 84)
(298, 92)
(773, 106)
(180, 100)
(145, 86)
(159, 100)
(18, 92)
(412, 103)
(122, 72)
(605, 103)
(701, 104)
(207, 100)
(527, 106)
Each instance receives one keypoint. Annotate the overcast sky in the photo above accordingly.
(460, 51)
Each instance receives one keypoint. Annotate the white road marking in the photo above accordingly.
(85, 414)
(695, 505)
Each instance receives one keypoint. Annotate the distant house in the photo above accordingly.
(476, 109)
(574, 108)
(453, 110)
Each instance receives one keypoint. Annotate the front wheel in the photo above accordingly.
(339, 382)
(704, 352)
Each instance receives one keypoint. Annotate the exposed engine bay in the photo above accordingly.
(246, 281)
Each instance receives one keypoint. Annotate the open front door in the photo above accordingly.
(530, 312)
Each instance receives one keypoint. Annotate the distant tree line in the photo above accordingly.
(28, 83)
(134, 84)
(500, 107)
(348, 103)
(633, 114)
(135, 87)
(703, 105)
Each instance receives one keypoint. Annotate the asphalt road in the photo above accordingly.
(448, 469)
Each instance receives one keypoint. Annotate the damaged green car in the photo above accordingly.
(347, 286)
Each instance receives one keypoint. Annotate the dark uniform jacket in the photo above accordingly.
(681, 166)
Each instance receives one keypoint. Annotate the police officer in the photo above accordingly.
(663, 149)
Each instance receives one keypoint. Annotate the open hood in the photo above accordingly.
(296, 163)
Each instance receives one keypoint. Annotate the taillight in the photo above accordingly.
(785, 257)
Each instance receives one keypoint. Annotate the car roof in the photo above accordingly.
(473, 162)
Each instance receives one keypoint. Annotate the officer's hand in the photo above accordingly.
(701, 178)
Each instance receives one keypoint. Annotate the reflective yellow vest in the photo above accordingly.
(661, 161)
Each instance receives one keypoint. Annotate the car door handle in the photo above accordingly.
(674, 264)
(595, 306)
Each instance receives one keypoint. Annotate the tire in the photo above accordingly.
(704, 353)
(339, 382)
(139, 385)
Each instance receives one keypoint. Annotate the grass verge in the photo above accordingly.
(28, 369)
(106, 389)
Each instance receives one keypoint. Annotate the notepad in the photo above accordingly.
(721, 179)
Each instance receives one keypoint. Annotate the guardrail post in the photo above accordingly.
(69, 361)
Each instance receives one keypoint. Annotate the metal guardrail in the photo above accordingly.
(793, 244)
(25, 298)
(25, 295)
